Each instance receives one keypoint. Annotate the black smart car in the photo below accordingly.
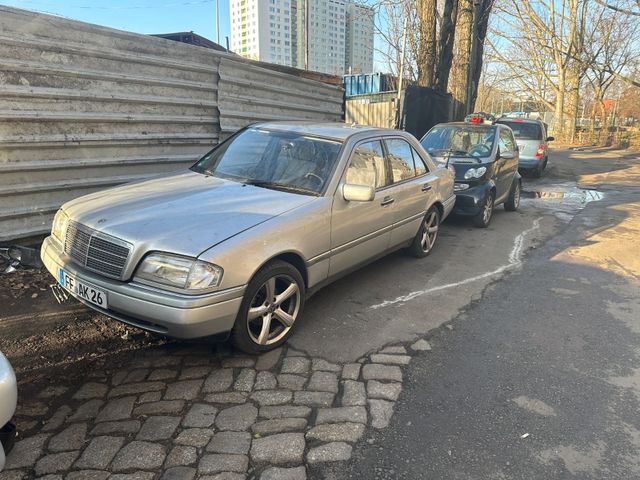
(485, 160)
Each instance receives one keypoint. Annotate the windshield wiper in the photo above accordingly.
(279, 186)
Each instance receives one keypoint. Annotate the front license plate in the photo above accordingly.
(82, 289)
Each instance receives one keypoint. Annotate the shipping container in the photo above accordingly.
(366, 83)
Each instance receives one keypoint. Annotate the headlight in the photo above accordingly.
(180, 272)
(60, 224)
(475, 173)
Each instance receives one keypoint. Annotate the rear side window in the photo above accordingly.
(367, 165)
(400, 159)
(421, 167)
(524, 130)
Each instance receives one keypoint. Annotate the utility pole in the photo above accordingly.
(306, 34)
(218, 21)
(401, 72)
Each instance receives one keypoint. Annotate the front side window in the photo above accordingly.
(507, 143)
(367, 166)
(273, 159)
(400, 159)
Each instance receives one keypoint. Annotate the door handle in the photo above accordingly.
(426, 187)
(387, 201)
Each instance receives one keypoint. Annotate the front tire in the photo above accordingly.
(513, 202)
(483, 218)
(425, 239)
(272, 303)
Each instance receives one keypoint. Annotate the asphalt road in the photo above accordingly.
(540, 377)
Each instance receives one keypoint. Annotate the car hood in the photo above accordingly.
(184, 213)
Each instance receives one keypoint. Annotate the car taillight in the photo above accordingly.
(540, 151)
(476, 119)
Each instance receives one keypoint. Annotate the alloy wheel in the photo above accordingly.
(429, 232)
(516, 196)
(488, 209)
(273, 310)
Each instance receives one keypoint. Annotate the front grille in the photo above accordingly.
(96, 251)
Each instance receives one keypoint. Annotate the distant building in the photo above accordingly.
(274, 31)
(327, 35)
(192, 39)
(359, 41)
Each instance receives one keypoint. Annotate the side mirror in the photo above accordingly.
(507, 155)
(358, 193)
(550, 139)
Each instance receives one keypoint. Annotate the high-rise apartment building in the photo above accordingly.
(340, 34)
(261, 30)
(359, 39)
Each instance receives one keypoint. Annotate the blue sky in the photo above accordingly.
(141, 16)
(147, 16)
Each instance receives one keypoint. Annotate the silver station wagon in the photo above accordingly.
(237, 242)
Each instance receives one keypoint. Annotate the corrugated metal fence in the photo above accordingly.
(84, 107)
(376, 109)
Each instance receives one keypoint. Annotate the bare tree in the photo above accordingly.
(427, 45)
(430, 34)
(471, 32)
(445, 44)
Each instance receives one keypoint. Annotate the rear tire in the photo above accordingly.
(425, 239)
(513, 202)
(273, 302)
(483, 219)
(537, 172)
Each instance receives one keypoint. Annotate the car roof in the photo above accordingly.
(464, 124)
(333, 130)
(519, 120)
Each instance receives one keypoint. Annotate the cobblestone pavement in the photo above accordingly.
(186, 412)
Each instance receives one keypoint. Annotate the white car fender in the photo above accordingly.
(8, 397)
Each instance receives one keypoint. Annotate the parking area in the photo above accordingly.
(99, 400)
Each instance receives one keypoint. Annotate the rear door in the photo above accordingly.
(361, 230)
(412, 188)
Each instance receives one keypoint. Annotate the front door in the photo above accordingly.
(506, 167)
(361, 230)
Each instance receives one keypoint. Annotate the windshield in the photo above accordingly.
(460, 140)
(525, 130)
(273, 159)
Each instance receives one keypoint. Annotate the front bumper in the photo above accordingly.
(469, 202)
(153, 309)
(8, 401)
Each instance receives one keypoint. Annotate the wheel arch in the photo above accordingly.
(438, 204)
(293, 258)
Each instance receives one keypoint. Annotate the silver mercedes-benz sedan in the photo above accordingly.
(238, 241)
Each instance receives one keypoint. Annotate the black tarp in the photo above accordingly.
(423, 108)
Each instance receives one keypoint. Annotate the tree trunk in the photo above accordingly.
(446, 41)
(426, 60)
(480, 34)
(558, 126)
(461, 61)
(573, 103)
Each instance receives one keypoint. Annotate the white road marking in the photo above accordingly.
(515, 259)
